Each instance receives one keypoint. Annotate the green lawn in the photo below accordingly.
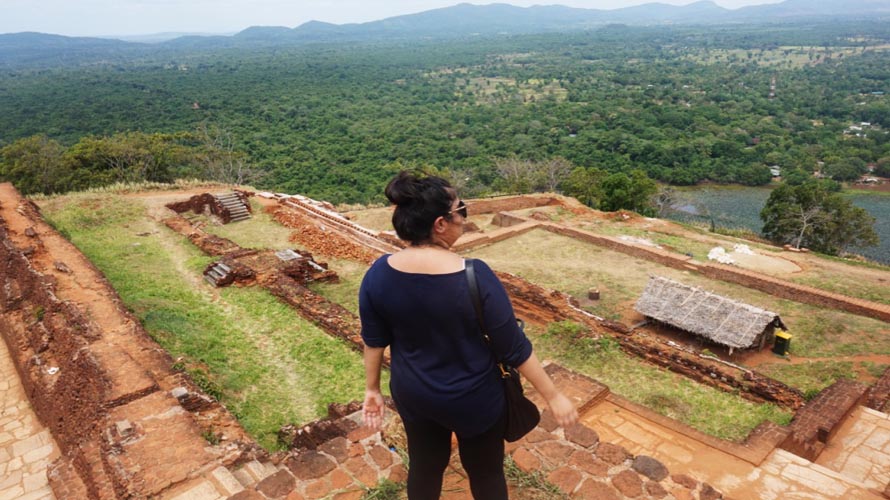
(664, 392)
(268, 365)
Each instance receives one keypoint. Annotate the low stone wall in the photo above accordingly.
(878, 397)
(199, 204)
(816, 423)
(795, 292)
(510, 203)
(653, 254)
(750, 384)
(207, 203)
(483, 239)
(506, 219)
(731, 274)
(45, 334)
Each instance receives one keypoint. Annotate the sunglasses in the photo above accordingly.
(460, 210)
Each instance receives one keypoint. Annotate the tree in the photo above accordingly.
(812, 215)
(882, 168)
(633, 192)
(519, 175)
(219, 159)
(849, 226)
(127, 157)
(553, 171)
(34, 165)
(664, 201)
(584, 185)
(846, 169)
(524, 176)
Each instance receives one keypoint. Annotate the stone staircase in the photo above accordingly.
(234, 205)
(218, 274)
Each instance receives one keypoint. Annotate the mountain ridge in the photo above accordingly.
(460, 20)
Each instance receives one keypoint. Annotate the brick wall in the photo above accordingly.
(510, 203)
(878, 397)
(43, 332)
(815, 423)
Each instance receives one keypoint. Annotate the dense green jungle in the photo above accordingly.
(334, 121)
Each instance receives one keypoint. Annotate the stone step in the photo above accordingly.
(209, 279)
(225, 482)
(253, 472)
(201, 489)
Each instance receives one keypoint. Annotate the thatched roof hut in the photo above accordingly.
(722, 320)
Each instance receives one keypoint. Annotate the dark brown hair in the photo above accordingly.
(419, 201)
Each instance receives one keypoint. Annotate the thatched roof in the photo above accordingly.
(722, 320)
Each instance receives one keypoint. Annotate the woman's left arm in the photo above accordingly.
(564, 411)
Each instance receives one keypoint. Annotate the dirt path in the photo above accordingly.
(53, 255)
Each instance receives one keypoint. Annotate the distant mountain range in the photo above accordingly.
(467, 19)
(457, 21)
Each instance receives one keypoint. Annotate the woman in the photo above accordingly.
(443, 375)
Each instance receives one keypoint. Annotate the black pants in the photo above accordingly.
(429, 450)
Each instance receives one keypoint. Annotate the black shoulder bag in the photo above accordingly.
(522, 414)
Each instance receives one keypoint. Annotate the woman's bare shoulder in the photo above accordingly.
(426, 261)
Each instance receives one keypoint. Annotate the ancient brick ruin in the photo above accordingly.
(130, 426)
(228, 207)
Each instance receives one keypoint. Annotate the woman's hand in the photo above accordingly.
(372, 409)
(563, 410)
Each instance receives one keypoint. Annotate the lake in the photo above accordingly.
(739, 207)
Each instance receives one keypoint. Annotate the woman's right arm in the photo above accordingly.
(564, 411)
(375, 333)
(372, 409)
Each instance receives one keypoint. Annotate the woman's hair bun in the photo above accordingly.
(403, 189)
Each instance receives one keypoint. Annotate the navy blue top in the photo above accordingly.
(442, 369)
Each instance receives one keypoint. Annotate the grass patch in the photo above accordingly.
(573, 267)
(378, 219)
(268, 365)
(260, 231)
(810, 377)
(345, 292)
(531, 485)
(826, 333)
(847, 285)
(720, 414)
(385, 490)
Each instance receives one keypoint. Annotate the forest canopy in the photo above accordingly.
(333, 121)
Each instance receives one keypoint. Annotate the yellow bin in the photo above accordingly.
(782, 343)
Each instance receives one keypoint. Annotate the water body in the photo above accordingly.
(739, 207)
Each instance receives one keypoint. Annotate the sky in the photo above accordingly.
(141, 17)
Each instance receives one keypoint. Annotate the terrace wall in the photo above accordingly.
(750, 279)
(818, 421)
(878, 397)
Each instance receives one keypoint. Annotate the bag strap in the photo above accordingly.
(477, 301)
(477, 305)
